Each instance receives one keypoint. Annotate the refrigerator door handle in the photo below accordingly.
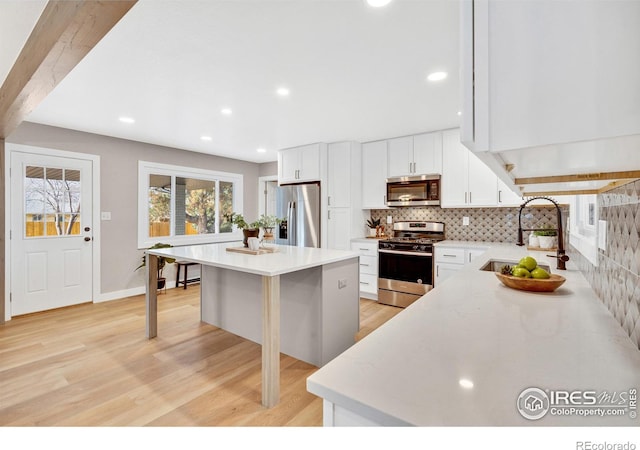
(293, 228)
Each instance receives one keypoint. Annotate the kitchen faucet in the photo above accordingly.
(560, 254)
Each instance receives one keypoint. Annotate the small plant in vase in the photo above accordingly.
(268, 223)
(162, 261)
(374, 227)
(248, 229)
(546, 236)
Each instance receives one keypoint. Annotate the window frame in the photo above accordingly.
(146, 168)
(583, 236)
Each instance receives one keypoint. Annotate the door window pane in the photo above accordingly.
(159, 205)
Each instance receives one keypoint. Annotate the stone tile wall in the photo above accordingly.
(616, 279)
(485, 224)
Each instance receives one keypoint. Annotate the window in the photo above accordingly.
(182, 205)
(583, 217)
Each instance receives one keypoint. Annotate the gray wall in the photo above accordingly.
(268, 169)
(119, 187)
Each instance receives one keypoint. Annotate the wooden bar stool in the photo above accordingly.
(185, 280)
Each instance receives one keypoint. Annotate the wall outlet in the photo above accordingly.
(602, 234)
(389, 219)
(342, 283)
(105, 215)
(465, 220)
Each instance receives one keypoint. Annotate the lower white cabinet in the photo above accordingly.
(338, 226)
(368, 267)
(449, 260)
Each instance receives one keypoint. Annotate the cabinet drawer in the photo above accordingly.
(369, 283)
(369, 264)
(365, 249)
(450, 255)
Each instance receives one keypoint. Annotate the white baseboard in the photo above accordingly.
(117, 295)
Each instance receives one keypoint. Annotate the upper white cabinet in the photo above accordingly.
(466, 181)
(415, 155)
(538, 73)
(300, 164)
(374, 174)
(506, 197)
(339, 174)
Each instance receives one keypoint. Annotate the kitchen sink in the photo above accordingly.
(494, 265)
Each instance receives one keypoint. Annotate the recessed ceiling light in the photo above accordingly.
(261, 150)
(283, 91)
(378, 3)
(126, 120)
(206, 138)
(437, 76)
(459, 113)
(226, 111)
(467, 384)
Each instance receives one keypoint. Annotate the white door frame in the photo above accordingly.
(95, 160)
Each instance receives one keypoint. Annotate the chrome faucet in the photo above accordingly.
(560, 254)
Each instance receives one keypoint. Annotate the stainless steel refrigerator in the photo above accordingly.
(299, 206)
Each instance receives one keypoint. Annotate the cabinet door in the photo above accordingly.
(374, 174)
(288, 164)
(338, 226)
(472, 253)
(427, 153)
(483, 183)
(309, 162)
(400, 156)
(339, 174)
(444, 271)
(506, 197)
(454, 181)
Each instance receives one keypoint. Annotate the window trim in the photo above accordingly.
(582, 235)
(146, 168)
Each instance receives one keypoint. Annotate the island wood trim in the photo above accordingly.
(270, 340)
(151, 296)
(579, 177)
(65, 32)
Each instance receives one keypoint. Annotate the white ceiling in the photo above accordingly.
(354, 72)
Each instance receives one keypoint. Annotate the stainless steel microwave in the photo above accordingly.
(420, 190)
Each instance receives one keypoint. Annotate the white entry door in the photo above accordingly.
(51, 232)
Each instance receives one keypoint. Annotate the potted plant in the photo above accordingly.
(546, 236)
(248, 229)
(162, 261)
(268, 223)
(374, 227)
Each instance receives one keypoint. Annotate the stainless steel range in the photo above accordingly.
(405, 267)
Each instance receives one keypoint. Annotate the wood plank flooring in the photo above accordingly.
(91, 365)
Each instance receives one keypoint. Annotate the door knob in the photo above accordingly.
(87, 239)
(87, 229)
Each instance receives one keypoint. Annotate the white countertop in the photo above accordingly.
(503, 340)
(287, 259)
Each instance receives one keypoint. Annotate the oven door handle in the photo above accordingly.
(400, 252)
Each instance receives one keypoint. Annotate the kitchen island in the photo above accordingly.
(303, 301)
(463, 354)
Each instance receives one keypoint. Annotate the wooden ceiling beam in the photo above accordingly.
(65, 32)
(579, 177)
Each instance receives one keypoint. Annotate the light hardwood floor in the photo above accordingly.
(91, 365)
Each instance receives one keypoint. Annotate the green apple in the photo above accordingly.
(539, 273)
(520, 272)
(528, 262)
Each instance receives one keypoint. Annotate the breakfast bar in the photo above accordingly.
(305, 301)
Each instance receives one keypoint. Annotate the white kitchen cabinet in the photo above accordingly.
(506, 197)
(531, 83)
(338, 224)
(368, 252)
(415, 155)
(466, 181)
(300, 164)
(374, 175)
(449, 260)
(339, 174)
(342, 211)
